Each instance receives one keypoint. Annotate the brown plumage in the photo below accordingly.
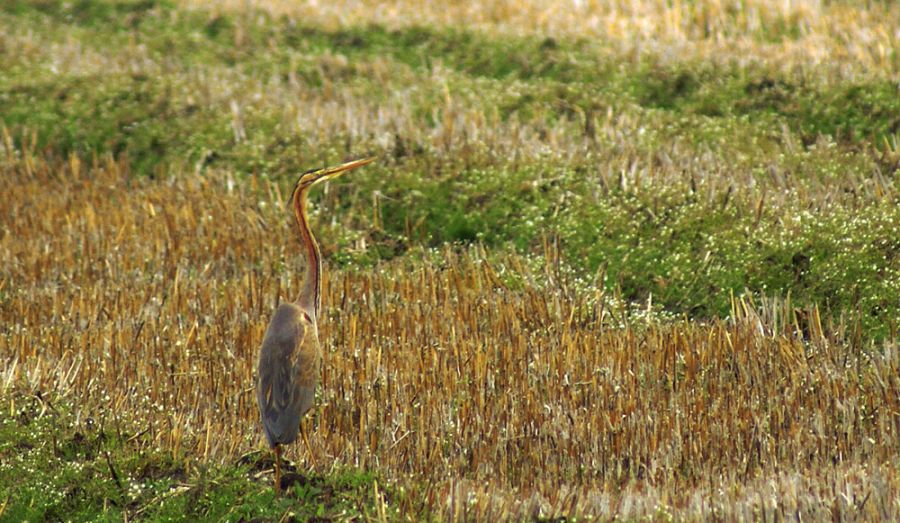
(290, 357)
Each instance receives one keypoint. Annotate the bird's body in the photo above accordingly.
(289, 367)
(290, 358)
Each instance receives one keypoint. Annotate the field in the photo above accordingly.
(615, 260)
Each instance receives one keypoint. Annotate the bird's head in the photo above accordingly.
(317, 176)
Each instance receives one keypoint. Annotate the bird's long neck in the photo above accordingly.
(310, 298)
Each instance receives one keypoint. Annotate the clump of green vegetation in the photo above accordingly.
(57, 466)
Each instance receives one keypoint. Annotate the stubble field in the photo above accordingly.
(606, 266)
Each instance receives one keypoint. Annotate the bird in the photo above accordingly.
(290, 357)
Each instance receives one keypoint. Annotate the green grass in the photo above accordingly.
(554, 79)
(663, 189)
(56, 467)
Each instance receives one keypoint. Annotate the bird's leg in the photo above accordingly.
(277, 470)
(312, 456)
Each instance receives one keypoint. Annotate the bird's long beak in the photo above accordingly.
(329, 173)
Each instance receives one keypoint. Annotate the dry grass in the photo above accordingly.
(489, 387)
(847, 37)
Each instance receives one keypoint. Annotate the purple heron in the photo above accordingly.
(290, 357)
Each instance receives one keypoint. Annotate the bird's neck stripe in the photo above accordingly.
(310, 292)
